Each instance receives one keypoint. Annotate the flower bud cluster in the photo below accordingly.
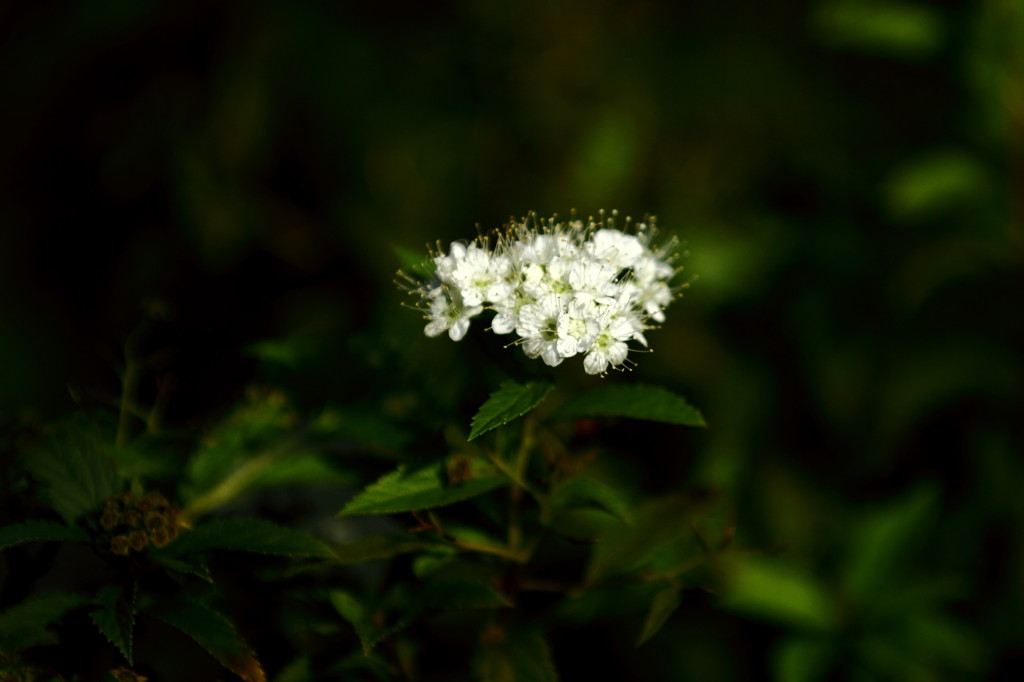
(564, 288)
(136, 522)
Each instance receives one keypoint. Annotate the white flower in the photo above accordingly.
(616, 248)
(577, 328)
(506, 312)
(445, 264)
(449, 315)
(480, 276)
(565, 288)
(610, 346)
(538, 327)
(593, 281)
(553, 278)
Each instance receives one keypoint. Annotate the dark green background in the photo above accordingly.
(847, 176)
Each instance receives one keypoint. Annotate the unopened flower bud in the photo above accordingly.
(155, 519)
(110, 519)
(138, 539)
(120, 545)
(159, 537)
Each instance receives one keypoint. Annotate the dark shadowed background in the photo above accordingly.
(230, 181)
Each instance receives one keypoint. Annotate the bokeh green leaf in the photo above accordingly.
(74, 465)
(35, 531)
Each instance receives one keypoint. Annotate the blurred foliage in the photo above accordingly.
(197, 198)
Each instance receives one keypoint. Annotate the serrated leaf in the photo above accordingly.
(585, 490)
(25, 624)
(632, 401)
(511, 401)
(663, 605)
(115, 618)
(381, 547)
(73, 465)
(212, 631)
(403, 490)
(249, 535)
(192, 565)
(34, 531)
(513, 657)
(778, 593)
(362, 619)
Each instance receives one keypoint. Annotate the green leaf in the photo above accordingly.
(249, 535)
(363, 620)
(633, 401)
(413, 262)
(192, 565)
(25, 624)
(885, 539)
(505, 656)
(382, 547)
(660, 524)
(284, 351)
(664, 605)
(942, 639)
(935, 183)
(802, 659)
(365, 429)
(609, 603)
(34, 531)
(212, 631)
(299, 670)
(509, 402)
(360, 667)
(116, 617)
(147, 458)
(903, 30)
(276, 467)
(254, 447)
(777, 592)
(425, 488)
(72, 462)
(585, 490)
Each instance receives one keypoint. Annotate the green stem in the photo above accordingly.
(485, 548)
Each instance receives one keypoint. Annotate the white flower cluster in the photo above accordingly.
(565, 288)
